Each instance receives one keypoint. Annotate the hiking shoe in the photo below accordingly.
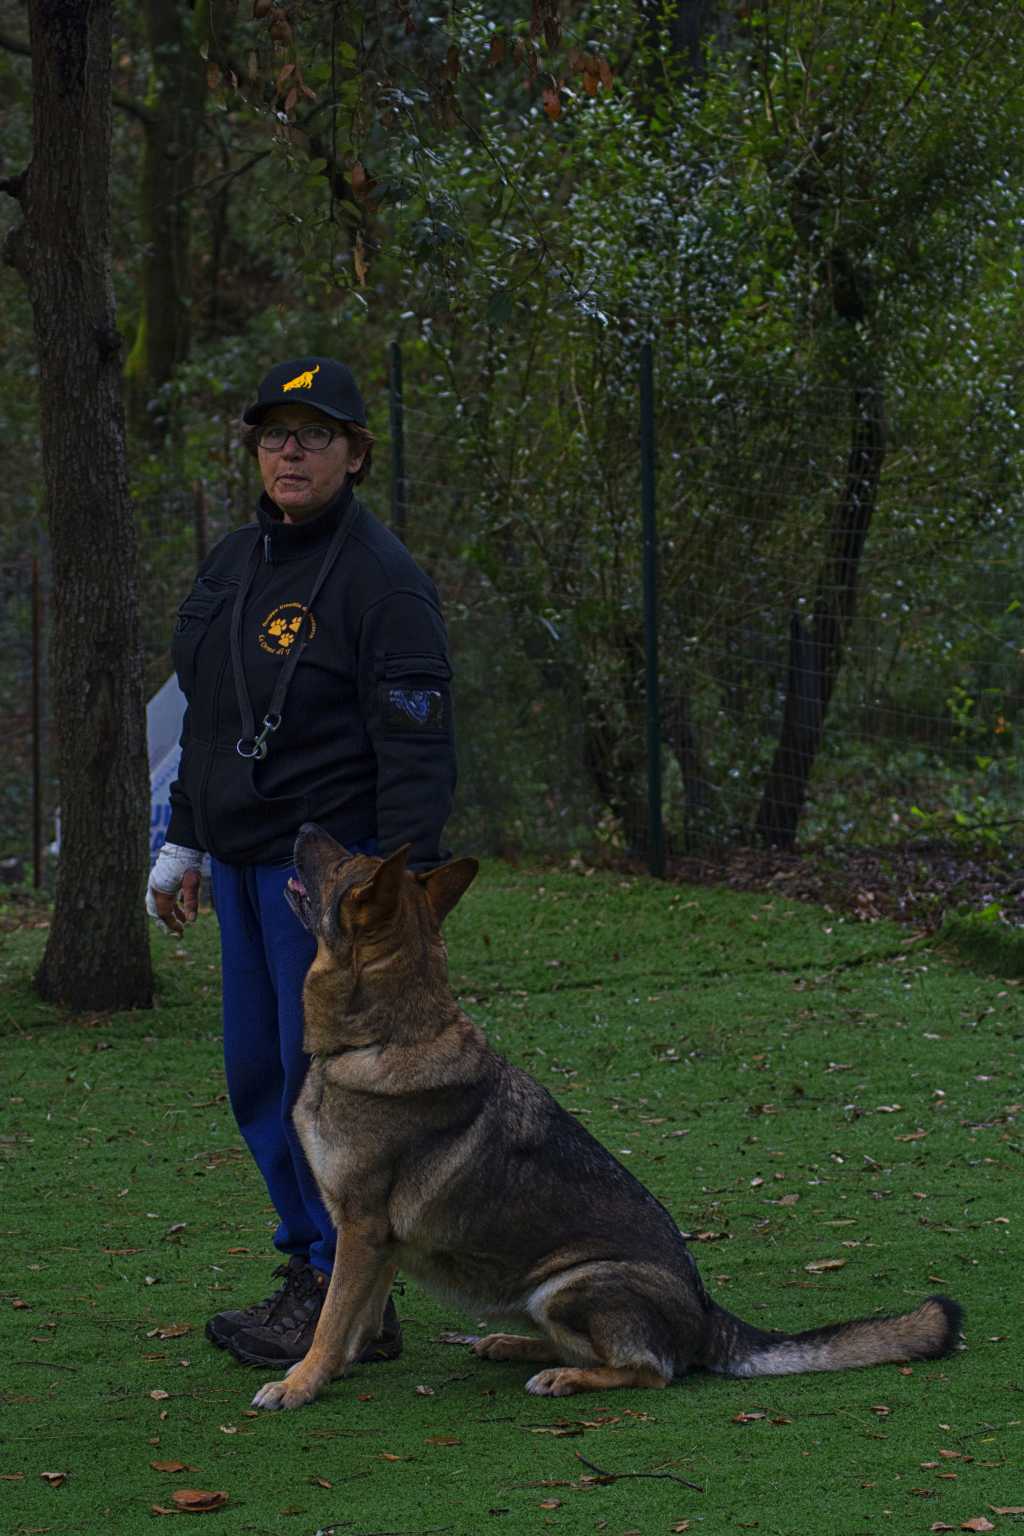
(286, 1336)
(220, 1330)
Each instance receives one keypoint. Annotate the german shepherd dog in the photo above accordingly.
(437, 1156)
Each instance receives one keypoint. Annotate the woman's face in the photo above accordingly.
(301, 483)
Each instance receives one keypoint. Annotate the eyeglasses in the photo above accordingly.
(311, 436)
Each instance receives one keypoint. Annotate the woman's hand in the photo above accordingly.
(172, 896)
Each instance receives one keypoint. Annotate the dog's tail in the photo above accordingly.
(735, 1348)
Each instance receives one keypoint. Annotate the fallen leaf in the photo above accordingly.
(818, 1266)
(170, 1331)
(424, 1392)
(979, 1523)
(321, 1482)
(172, 1466)
(54, 1478)
(680, 1525)
(748, 1418)
(159, 1395)
(442, 1440)
(198, 1501)
(550, 1504)
(917, 1135)
(390, 1456)
(19, 1305)
(940, 1526)
(1007, 1509)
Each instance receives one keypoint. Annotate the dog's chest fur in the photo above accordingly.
(324, 1118)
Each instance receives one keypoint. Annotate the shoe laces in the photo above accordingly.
(288, 1272)
(297, 1300)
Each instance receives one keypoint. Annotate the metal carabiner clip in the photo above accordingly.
(258, 749)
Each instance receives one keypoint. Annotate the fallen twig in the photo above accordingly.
(51, 1365)
(602, 1472)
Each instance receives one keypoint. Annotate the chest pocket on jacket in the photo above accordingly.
(197, 612)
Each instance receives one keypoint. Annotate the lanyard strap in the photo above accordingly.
(250, 744)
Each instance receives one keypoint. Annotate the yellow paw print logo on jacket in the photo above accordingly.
(282, 629)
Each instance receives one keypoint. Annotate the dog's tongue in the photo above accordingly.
(296, 885)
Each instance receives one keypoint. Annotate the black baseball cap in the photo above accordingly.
(318, 381)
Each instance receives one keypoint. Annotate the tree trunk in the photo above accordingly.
(701, 823)
(174, 110)
(97, 954)
(689, 24)
(614, 734)
(815, 656)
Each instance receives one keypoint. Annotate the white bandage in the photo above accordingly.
(173, 863)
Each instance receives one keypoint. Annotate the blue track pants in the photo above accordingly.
(265, 954)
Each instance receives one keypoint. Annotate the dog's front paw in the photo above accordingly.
(289, 1393)
(558, 1382)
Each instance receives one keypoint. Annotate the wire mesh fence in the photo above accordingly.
(839, 620)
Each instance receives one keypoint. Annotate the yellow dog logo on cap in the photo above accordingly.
(303, 380)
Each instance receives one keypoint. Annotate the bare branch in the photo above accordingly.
(14, 44)
(21, 46)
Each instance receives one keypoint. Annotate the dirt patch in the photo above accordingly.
(922, 886)
(23, 907)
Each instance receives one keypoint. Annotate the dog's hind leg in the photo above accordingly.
(607, 1331)
(564, 1380)
(514, 1346)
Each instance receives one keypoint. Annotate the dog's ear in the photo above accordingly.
(445, 885)
(385, 882)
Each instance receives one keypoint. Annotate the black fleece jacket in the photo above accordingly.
(366, 744)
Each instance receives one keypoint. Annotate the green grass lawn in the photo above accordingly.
(795, 1087)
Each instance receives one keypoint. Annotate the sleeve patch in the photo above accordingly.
(412, 709)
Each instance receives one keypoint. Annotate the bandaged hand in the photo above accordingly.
(172, 895)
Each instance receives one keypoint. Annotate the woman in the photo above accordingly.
(312, 653)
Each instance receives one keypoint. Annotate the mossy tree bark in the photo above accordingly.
(97, 954)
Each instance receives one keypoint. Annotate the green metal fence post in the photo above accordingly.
(396, 412)
(655, 829)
